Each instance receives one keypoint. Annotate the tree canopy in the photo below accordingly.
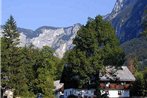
(27, 70)
(95, 46)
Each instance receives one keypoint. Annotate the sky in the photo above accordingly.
(32, 14)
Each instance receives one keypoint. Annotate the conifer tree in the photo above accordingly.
(27, 70)
(8, 44)
(11, 59)
(10, 33)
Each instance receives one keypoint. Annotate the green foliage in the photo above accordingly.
(44, 82)
(139, 86)
(44, 68)
(144, 33)
(137, 47)
(145, 20)
(145, 81)
(11, 36)
(27, 70)
(144, 25)
(95, 46)
(12, 70)
(99, 37)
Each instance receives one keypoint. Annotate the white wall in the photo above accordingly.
(114, 93)
(90, 93)
(76, 92)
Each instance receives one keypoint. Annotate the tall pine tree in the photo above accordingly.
(12, 69)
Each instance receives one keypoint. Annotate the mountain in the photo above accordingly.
(136, 49)
(127, 17)
(59, 38)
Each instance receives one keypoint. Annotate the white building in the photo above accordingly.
(115, 83)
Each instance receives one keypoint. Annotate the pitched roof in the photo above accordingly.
(120, 74)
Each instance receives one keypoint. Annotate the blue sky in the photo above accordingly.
(32, 14)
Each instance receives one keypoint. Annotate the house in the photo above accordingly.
(115, 82)
(59, 88)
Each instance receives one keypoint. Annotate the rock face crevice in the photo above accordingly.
(126, 18)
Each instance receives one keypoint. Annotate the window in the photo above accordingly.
(87, 92)
(70, 92)
(119, 92)
(66, 94)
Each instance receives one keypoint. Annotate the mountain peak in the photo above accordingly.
(119, 6)
(126, 18)
(59, 38)
(47, 27)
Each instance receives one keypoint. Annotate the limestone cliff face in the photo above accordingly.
(59, 38)
(126, 18)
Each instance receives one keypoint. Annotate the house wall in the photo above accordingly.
(77, 92)
(90, 93)
(115, 93)
(57, 95)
